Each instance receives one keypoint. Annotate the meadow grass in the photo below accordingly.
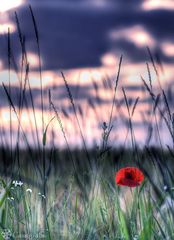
(52, 193)
(95, 208)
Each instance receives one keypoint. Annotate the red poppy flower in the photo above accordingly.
(129, 176)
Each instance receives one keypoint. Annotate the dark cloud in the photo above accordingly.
(158, 23)
(59, 94)
(75, 34)
(134, 87)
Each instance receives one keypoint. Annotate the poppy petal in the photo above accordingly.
(129, 176)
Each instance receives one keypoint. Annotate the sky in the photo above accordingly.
(85, 39)
(91, 33)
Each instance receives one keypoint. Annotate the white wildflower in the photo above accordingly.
(17, 183)
(42, 195)
(29, 190)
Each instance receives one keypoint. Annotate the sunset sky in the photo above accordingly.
(84, 39)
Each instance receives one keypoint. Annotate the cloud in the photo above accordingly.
(9, 4)
(157, 4)
(76, 35)
(136, 34)
(59, 95)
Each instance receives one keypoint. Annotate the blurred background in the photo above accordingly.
(85, 39)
